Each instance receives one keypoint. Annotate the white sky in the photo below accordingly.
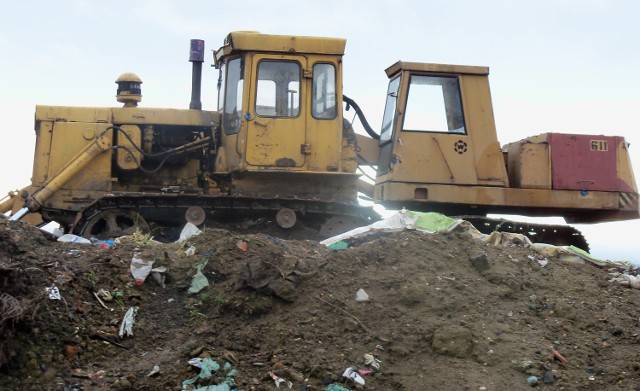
(563, 65)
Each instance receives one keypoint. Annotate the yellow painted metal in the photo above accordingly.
(242, 41)
(128, 157)
(624, 167)
(435, 157)
(6, 204)
(42, 152)
(529, 163)
(449, 171)
(70, 143)
(275, 141)
(368, 150)
(436, 68)
(324, 136)
(86, 167)
(295, 143)
(73, 114)
(497, 196)
(15, 202)
(480, 122)
(154, 116)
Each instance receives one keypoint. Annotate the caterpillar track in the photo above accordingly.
(559, 235)
(163, 216)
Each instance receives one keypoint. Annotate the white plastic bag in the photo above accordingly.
(140, 269)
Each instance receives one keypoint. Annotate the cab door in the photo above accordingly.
(276, 133)
(432, 145)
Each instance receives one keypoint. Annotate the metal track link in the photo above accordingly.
(559, 235)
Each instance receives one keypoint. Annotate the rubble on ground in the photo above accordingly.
(402, 310)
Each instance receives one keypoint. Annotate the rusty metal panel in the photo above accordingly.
(529, 165)
(584, 162)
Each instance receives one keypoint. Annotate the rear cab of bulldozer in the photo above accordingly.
(439, 151)
(438, 131)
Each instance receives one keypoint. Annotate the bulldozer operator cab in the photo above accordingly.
(278, 98)
(438, 127)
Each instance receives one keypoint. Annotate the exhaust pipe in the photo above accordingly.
(196, 57)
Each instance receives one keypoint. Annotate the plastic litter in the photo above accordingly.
(154, 371)
(105, 295)
(208, 369)
(102, 243)
(532, 380)
(199, 280)
(626, 279)
(140, 269)
(361, 295)
(242, 245)
(189, 230)
(53, 292)
(191, 251)
(71, 238)
(542, 261)
(158, 274)
(278, 380)
(341, 245)
(352, 374)
(371, 361)
(336, 387)
(404, 219)
(126, 327)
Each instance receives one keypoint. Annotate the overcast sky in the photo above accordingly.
(563, 65)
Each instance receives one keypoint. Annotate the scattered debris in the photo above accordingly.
(555, 355)
(159, 275)
(71, 238)
(210, 371)
(154, 371)
(361, 295)
(371, 361)
(140, 268)
(509, 310)
(53, 292)
(199, 281)
(242, 245)
(278, 380)
(126, 327)
(352, 374)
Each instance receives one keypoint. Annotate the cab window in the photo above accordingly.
(233, 87)
(324, 91)
(434, 105)
(278, 91)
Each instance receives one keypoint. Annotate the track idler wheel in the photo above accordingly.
(111, 224)
(286, 218)
(195, 215)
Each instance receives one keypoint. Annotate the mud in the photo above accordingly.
(444, 312)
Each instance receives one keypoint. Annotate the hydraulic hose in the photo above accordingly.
(363, 120)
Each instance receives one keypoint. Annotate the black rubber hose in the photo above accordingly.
(365, 124)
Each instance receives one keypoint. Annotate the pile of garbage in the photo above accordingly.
(419, 301)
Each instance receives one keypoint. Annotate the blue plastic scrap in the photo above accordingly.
(336, 387)
(210, 368)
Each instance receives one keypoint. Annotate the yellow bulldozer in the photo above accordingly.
(278, 147)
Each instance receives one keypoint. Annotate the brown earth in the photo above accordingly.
(445, 312)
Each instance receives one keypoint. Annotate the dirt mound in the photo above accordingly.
(430, 311)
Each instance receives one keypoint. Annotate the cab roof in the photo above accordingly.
(240, 41)
(436, 68)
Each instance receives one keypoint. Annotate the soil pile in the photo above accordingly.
(412, 311)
